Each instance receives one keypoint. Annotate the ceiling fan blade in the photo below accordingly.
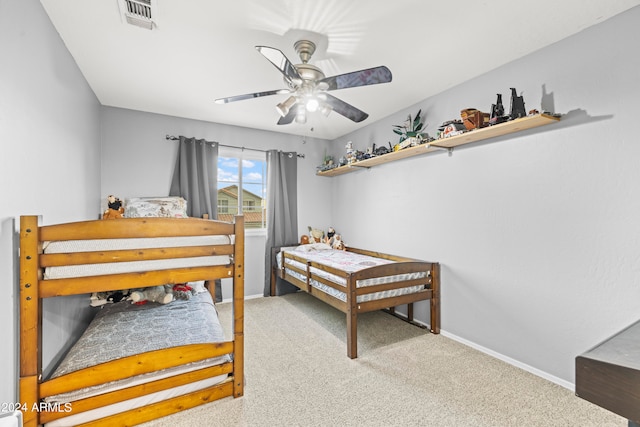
(288, 118)
(347, 110)
(370, 76)
(250, 96)
(280, 61)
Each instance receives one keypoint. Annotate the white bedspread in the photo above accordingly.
(349, 262)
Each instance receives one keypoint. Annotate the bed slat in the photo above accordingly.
(364, 290)
(101, 257)
(83, 405)
(80, 285)
(393, 301)
(133, 365)
(133, 228)
(391, 269)
(167, 407)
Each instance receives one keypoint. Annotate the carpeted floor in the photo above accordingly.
(298, 374)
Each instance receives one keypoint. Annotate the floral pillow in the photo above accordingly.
(168, 207)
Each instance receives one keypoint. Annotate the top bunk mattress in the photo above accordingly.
(84, 270)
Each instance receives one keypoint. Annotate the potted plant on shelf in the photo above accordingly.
(410, 132)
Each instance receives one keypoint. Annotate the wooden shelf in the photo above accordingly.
(476, 135)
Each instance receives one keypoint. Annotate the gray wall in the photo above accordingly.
(49, 166)
(538, 233)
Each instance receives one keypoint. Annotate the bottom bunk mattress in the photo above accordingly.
(124, 329)
(349, 262)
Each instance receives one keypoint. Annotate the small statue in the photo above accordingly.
(497, 112)
(351, 153)
(517, 106)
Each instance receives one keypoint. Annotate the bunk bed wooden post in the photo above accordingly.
(238, 308)
(435, 298)
(30, 315)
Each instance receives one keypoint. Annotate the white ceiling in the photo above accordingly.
(200, 50)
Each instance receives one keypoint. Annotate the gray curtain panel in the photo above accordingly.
(282, 211)
(195, 178)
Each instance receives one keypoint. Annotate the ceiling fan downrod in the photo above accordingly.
(304, 49)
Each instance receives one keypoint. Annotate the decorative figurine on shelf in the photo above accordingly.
(517, 106)
(410, 132)
(327, 163)
(474, 119)
(497, 112)
(380, 150)
(351, 153)
(451, 128)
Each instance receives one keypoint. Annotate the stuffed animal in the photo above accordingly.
(115, 209)
(183, 291)
(330, 236)
(334, 240)
(338, 244)
(160, 294)
(315, 235)
(99, 299)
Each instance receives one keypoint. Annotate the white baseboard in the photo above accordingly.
(502, 357)
(246, 297)
(510, 361)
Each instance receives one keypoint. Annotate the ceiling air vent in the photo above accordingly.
(138, 13)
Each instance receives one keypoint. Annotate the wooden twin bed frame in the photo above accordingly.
(34, 288)
(429, 287)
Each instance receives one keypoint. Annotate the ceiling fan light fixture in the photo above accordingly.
(301, 116)
(284, 107)
(312, 104)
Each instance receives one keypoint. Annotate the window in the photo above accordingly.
(242, 186)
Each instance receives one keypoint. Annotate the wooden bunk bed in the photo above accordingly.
(357, 281)
(190, 374)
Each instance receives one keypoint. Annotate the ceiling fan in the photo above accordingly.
(309, 87)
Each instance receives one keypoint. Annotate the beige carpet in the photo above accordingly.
(298, 374)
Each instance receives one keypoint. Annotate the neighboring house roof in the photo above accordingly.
(253, 217)
(232, 191)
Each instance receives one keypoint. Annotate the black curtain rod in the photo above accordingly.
(175, 138)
